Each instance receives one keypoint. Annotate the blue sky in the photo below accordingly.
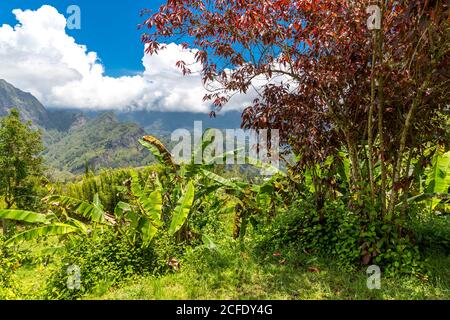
(102, 66)
(108, 28)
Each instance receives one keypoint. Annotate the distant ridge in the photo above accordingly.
(72, 139)
(157, 122)
(102, 142)
(102, 139)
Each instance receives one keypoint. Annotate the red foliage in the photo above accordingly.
(322, 50)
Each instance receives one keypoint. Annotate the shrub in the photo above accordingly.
(10, 261)
(300, 227)
(432, 231)
(344, 236)
(166, 248)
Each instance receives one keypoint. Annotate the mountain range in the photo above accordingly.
(105, 139)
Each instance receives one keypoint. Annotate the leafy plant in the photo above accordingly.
(434, 181)
(51, 226)
(20, 162)
(342, 236)
(181, 211)
(10, 260)
(438, 178)
(104, 261)
(182, 187)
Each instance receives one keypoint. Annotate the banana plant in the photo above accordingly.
(187, 185)
(139, 220)
(180, 186)
(435, 183)
(438, 179)
(144, 212)
(48, 225)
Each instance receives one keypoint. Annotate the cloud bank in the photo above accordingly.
(38, 56)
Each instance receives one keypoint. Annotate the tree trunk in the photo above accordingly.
(237, 222)
(380, 40)
(406, 129)
(405, 191)
(353, 153)
(9, 205)
(370, 123)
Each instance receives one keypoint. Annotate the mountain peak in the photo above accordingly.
(6, 86)
(108, 116)
(4, 82)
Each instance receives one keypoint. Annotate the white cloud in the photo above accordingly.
(38, 56)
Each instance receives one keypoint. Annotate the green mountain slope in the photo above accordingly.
(73, 140)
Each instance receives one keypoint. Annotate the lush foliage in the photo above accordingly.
(367, 164)
(325, 74)
(104, 261)
(10, 261)
(102, 142)
(20, 163)
(107, 184)
(343, 237)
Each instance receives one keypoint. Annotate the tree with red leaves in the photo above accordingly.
(331, 83)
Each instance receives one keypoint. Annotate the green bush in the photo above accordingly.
(227, 264)
(432, 231)
(10, 261)
(343, 236)
(165, 248)
(104, 261)
(300, 228)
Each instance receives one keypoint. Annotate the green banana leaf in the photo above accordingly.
(221, 180)
(23, 216)
(93, 212)
(148, 230)
(438, 178)
(182, 209)
(49, 230)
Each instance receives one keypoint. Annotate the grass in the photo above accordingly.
(233, 272)
(251, 282)
(302, 286)
(244, 278)
(30, 281)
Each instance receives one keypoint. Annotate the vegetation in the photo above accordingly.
(101, 142)
(169, 227)
(367, 176)
(20, 163)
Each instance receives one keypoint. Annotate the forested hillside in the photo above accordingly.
(75, 141)
(102, 142)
